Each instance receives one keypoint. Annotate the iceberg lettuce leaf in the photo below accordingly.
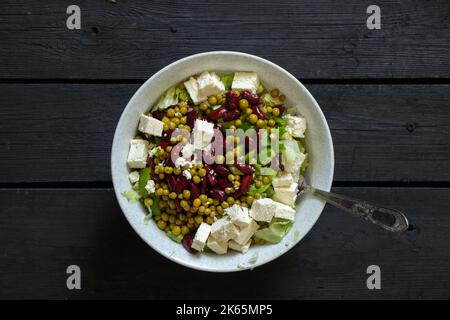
(176, 238)
(227, 80)
(275, 231)
(144, 176)
(131, 195)
(169, 98)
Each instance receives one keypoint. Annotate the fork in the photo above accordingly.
(387, 218)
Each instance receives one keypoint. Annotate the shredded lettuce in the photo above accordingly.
(269, 101)
(144, 176)
(267, 171)
(131, 195)
(304, 165)
(182, 94)
(260, 89)
(227, 80)
(156, 210)
(291, 153)
(275, 231)
(169, 98)
(175, 238)
(254, 190)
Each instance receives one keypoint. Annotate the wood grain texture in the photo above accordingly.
(312, 39)
(45, 230)
(63, 132)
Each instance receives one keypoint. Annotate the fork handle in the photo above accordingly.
(387, 218)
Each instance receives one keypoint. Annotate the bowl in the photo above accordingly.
(320, 150)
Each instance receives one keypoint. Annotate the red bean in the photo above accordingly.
(191, 116)
(171, 182)
(217, 194)
(222, 183)
(245, 184)
(158, 114)
(212, 178)
(164, 144)
(195, 191)
(187, 244)
(221, 170)
(204, 185)
(257, 110)
(231, 115)
(244, 168)
(252, 98)
(232, 100)
(181, 184)
(217, 114)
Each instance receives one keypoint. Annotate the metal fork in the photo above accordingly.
(387, 218)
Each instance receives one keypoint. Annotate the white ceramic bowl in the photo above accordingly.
(320, 149)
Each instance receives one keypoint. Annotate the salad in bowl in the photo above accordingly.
(217, 162)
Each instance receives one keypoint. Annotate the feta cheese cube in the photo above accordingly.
(284, 212)
(284, 180)
(245, 81)
(202, 133)
(137, 156)
(263, 209)
(188, 151)
(238, 247)
(296, 126)
(219, 247)
(246, 233)
(286, 195)
(181, 162)
(201, 236)
(192, 88)
(238, 215)
(224, 230)
(187, 174)
(134, 177)
(150, 186)
(209, 84)
(150, 125)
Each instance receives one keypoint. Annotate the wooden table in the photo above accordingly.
(384, 92)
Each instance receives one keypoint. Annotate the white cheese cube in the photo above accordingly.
(202, 133)
(134, 177)
(201, 236)
(246, 233)
(238, 247)
(296, 126)
(188, 151)
(137, 156)
(150, 186)
(263, 209)
(284, 212)
(150, 125)
(286, 195)
(192, 88)
(219, 247)
(224, 230)
(238, 215)
(209, 84)
(284, 180)
(245, 81)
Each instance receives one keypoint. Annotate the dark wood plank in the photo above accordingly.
(45, 230)
(135, 38)
(55, 132)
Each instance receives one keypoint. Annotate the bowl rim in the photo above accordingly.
(199, 55)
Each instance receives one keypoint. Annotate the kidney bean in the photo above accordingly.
(217, 194)
(191, 116)
(171, 182)
(221, 170)
(150, 162)
(217, 114)
(164, 144)
(212, 178)
(245, 184)
(252, 98)
(195, 191)
(187, 244)
(257, 110)
(232, 115)
(250, 144)
(244, 168)
(181, 184)
(237, 194)
(158, 114)
(232, 100)
(222, 183)
(204, 185)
